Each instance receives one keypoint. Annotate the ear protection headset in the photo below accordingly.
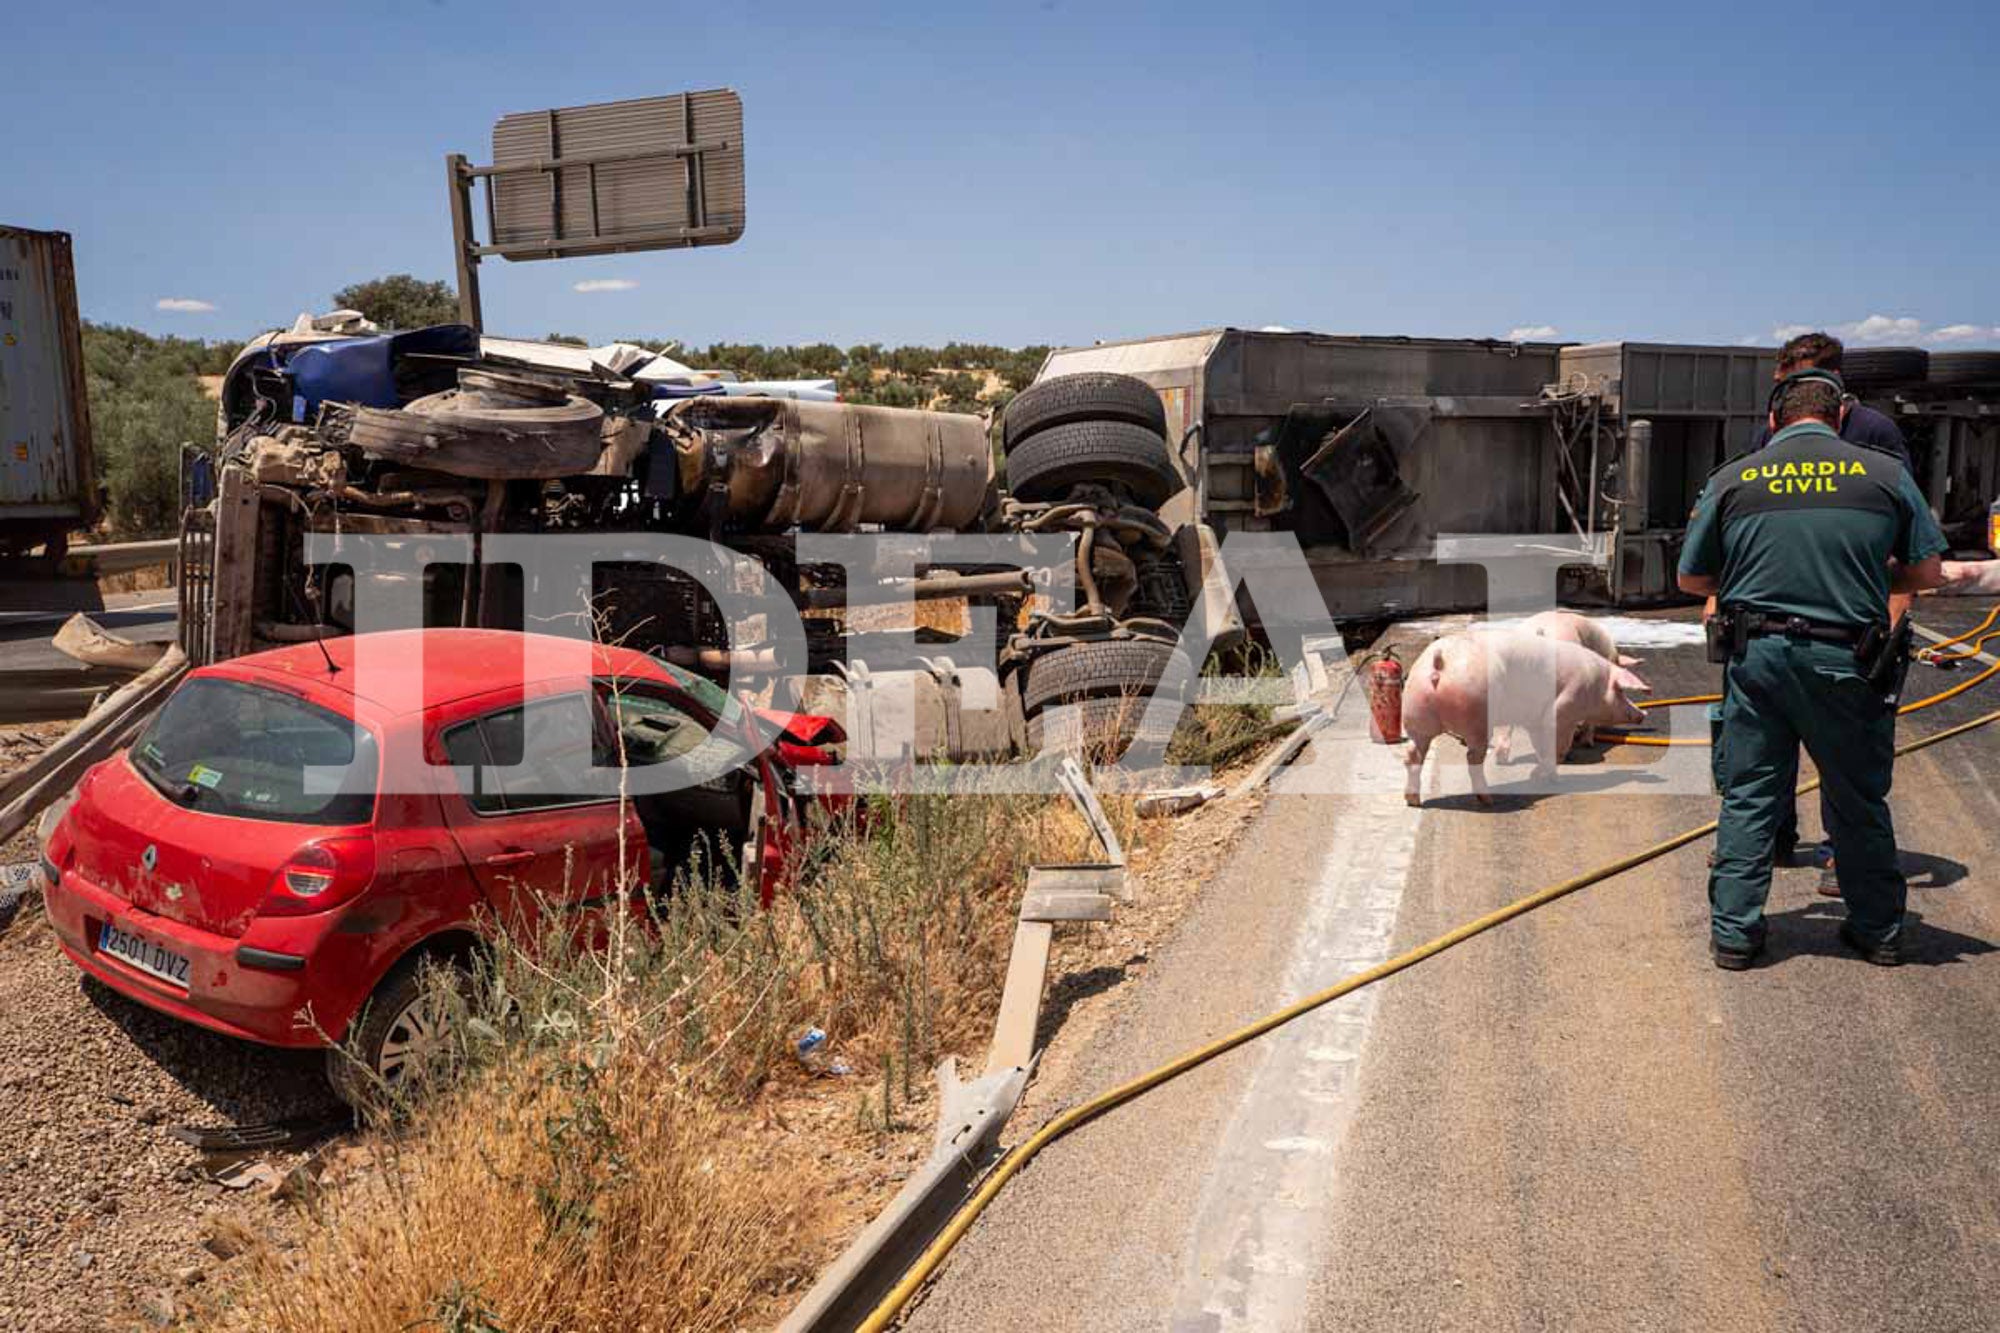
(1809, 375)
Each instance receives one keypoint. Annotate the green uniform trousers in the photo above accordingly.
(1783, 692)
(1787, 838)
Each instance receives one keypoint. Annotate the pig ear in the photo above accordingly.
(1626, 679)
(1625, 661)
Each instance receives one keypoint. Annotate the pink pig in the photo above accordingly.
(1471, 684)
(1570, 628)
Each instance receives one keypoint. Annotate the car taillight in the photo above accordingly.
(1993, 528)
(320, 876)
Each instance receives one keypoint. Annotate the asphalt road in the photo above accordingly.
(1573, 1122)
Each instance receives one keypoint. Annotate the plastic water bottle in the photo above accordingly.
(812, 1053)
(811, 1049)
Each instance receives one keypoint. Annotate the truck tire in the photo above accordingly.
(1965, 370)
(1099, 730)
(492, 426)
(1092, 396)
(1114, 453)
(1868, 368)
(1097, 670)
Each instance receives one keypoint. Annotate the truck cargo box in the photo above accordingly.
(47, 482)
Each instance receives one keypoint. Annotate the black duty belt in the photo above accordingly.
(1798, 627)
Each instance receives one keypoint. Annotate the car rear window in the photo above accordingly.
(229, 748)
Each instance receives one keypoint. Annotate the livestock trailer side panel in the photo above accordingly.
(1367, 448)
(47, 479)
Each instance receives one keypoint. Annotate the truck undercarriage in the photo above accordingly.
(439, 435)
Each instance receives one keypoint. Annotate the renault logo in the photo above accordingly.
(150, 857)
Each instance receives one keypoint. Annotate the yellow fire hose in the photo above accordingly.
(1019, 1156)
(1973, 651)
(1930, 655)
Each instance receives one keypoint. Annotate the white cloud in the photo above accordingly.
(1881, 329)
(1531, 333)
(605, 285)
(183, 305)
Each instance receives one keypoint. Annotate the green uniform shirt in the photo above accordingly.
(1807, 525)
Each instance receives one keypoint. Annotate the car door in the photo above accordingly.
(540, 843)
(743, 812)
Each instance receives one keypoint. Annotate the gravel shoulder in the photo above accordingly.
(106, 1218)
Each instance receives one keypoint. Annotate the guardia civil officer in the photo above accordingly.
(1795, 542)
(1858, 424)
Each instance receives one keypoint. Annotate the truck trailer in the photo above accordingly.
(48, 486)
(1371, 448)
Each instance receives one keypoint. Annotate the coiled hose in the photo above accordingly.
(1979, 634)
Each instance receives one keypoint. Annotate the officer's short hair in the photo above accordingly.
(1820, 351)
(1809, 398)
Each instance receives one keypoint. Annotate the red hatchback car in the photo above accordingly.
(203, 874)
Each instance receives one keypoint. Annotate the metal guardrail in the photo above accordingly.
(53, 694)
(110, 725)
(120, 557)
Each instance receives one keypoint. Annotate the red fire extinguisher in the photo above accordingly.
(1385, 699)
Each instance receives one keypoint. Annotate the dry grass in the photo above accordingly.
(540, 1201)
(146, 578)
(1216, 735)
(598, 1156)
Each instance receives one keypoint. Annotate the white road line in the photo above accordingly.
(1266, 1210)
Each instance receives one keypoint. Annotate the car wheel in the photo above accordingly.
(402, 1027)
(1965, 370)
(1097, 670)
(1868, 368)
(1110, 453)
(1092, 396)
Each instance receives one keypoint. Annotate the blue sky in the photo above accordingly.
(1057, 171)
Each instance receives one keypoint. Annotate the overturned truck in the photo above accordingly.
(334, 430)
(1371, 449)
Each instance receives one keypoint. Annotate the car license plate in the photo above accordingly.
(137, 951)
